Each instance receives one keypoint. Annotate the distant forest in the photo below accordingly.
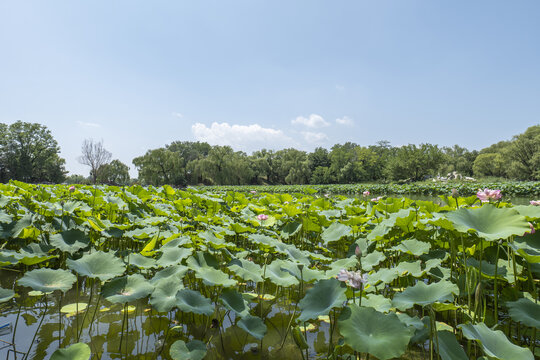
(29, 153)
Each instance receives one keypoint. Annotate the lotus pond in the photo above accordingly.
(161, 273)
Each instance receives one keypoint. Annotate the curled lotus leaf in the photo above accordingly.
(48, 280)
(99, 264)
(489, 222)
(321, 298)
(193, 350)
(78, 351)
(494, 343)
(192, 301)
(126, 288)
(234, 301)
(6, 295)
(369, 331)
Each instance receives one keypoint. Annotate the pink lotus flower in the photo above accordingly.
(366, 193)
(376, 199)
(488, 195)
(352, 278)
(253, 192)
(535, 202)
(262, 217)
(71, 188)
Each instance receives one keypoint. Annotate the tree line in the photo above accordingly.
(28, 152)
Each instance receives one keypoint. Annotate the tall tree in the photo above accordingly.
(28, 152)
(114, 173)
(95, 156)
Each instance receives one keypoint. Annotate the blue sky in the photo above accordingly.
(270, 74)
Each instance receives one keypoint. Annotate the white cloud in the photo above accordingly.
(178, 115)
(88, 124)
(314, 137)
(345, 121)
(313, 121)
(245, 137)
(340, 87)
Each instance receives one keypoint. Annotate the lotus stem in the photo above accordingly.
(39, 326)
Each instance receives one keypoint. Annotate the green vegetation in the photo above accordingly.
(151, 273)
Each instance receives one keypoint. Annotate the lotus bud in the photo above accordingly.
(478, 293)
(455, 193)
(357, 251)
(300, 267)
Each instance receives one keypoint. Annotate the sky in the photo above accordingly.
(257, 74)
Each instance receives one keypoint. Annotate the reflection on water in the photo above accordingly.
(140, 332)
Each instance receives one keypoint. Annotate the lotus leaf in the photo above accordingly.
(378, 302)
(140, 261)
(321, 298)
(163, 297)
(494, 343)
(369, 331)
(413, 247)
(173, 256)
(6, 295)
(247, 270)
(278, 276)
(192, 301)
(525, 311)
(233, 301)
(449, 347)
(422, 294)
(371, 260)
(253, 325)
(528, 247)
(489, 222)
(70, 241)
(175, 271)
(48, 280)
(193, 350)
(127, 288)
(99, 264)
(335, 232)
(78, 351)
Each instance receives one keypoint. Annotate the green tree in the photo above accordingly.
(28, 152)
(159, 167)
(489, 164)
(114, 173)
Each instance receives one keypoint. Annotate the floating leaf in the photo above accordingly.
(193, 350)
(78, 351)
(99, 264)
(369, 331)
(48, 280)
(321, 298)
(494, 343)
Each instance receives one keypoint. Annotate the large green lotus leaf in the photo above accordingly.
(192, 301)
(193, 350)
(387, 224)
(163, 297)
(290, 229)
(494, 343)
(7, 257)
(378, 302)
(529, 211)
(371, 260)
(247, 270)
(278, 276)
(308, 275)
(413, 247)
(78, 351)
(293, 253)
(449, 348)
(528, 247)
(488, 269)
(489, 222)
(335, 232)
(213, 277)
(264, 240)
(338, 265)
(175, 271)
(31, 254)
(99, 264)
(70, 241)
(386, 275)
(321, 298)
(369, 331)
(422, 294)
(48, 280)
(173, 256)
(201, 260)
(253, 325)
(234, 301)
(410, 268)
(6, 295)
(127, 288)
(140, 261)
(525, 311)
